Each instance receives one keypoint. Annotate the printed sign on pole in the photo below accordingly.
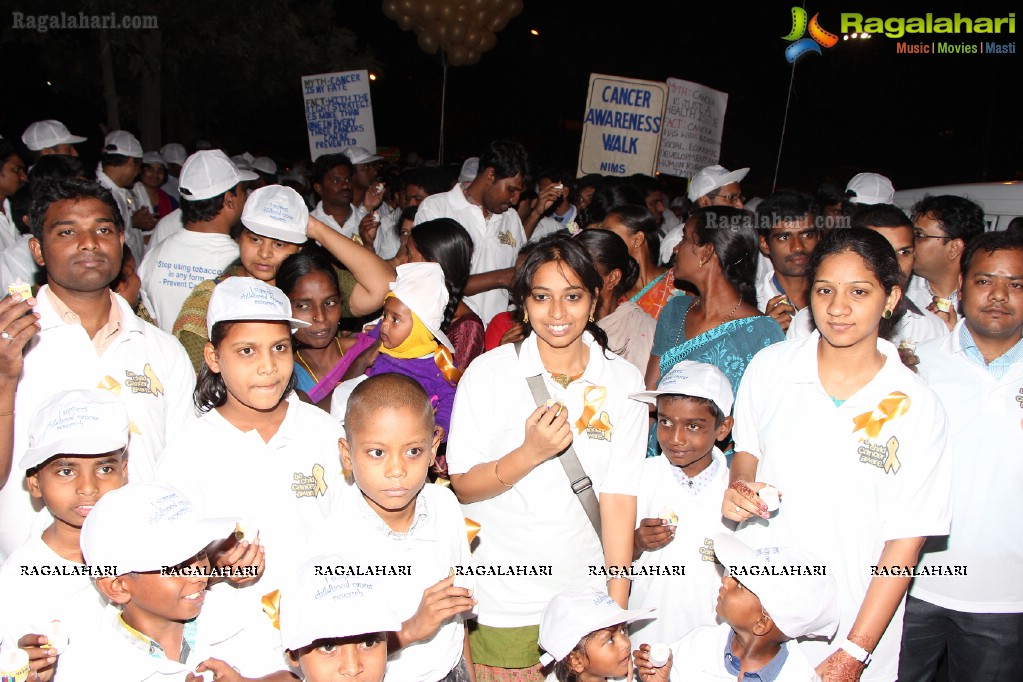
(338, 112)
(622, 127)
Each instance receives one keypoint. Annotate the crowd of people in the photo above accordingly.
(492, 423)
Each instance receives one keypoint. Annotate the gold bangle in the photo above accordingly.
(499, 479)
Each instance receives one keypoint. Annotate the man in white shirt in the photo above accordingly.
(12, 178)
(332, 182)
(967, 600)
(482, 208)
(943, 226)
(212, 198)
(51, 137)
(174, 154)
(787, 229)
(118, 170)
(552, 211)
(90, 337)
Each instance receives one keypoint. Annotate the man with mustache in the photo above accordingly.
(786, 223)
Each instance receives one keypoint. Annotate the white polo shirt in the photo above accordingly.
(919, 291)
(986, 425)
(700, 657)
(435, 543)
(286, 487)
(229, 628)
(847, 490)
(685, 601)
(17, 263)
(170, 270)
(539, 522)
(147, 369)
(8, 226)
(38, 586)
(165, 227)
(546, 226)
(496, 242)
(350, 228)
(766, 287)
(913, 327)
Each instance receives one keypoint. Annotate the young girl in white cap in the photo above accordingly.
(256, 452)
(586, 634)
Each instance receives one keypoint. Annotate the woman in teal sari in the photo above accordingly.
(722, 325)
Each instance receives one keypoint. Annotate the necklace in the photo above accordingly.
(695, 303)
(298, 356)
(564, 380)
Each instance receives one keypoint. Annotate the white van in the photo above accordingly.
(1002, 201)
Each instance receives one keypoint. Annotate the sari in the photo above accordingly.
(654, 296)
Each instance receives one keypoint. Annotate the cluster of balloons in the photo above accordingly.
(464, 29)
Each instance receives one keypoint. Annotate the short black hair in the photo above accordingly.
(989, 243)
(558, 175)
(507, 157)
(783, 206)
(960, 218)
(203, 210)
(430, 179)
(52, 167)
(719, 416)
(115, 160)
(879, 215)
(328, 162)
(50, 192)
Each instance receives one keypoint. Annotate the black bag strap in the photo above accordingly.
(581, 484)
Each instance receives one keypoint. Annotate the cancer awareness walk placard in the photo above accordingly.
(622, 127)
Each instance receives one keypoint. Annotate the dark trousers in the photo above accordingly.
(980, 646)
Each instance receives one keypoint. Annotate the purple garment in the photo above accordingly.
(429, 376)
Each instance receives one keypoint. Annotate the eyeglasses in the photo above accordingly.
(733, 198)
(918, 235)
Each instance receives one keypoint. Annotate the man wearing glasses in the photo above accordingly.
(943, 226)
(717, 186)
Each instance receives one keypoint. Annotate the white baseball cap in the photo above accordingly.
(332, 606)
(145, 527)
(277, 212)
(174, 153)
(712, 177)
(576, 612)
(122, 142)
(44, 134)
(420, 286)
(264, 164)
(88, 421)
(670, 241)
(470, 169)
(209, 173)
(871, 188)
(153, 157)
(240, 162)
(697, 379)
(248, 299)
(359, 155)
(800, 605)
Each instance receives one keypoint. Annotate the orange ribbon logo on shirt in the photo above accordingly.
(891, 408)
(595, 423)
(472, 529)
(891, 463)
(272, 607)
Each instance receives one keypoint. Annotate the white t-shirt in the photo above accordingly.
(435, 544)
(8, 229)
(912, 328)
(31, 602)
(17, 263)
(539, 522)
(766, 287)
(546, 226)
(350, 228)
(847, 490)
(496, 242)
(286, 487)
(700, 657)
(687, 601)
(165, 227)
(229, 628)
(919, 291)
(129, 201)
(986, 427)
(170, 270)
(147, 369)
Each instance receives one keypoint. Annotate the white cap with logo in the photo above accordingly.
(277, 212)
(316, 606)
(247, 299)
(696, 379)
(576, 612)
(420, 286)
(871, 188)
(50, 133)
(800, 605)
(711, 178)
(145, 527)
(209, 173)
(122, 142)
(87, 421)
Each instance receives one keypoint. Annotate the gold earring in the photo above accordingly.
(591, 317)
(525, 317)
(703, 262)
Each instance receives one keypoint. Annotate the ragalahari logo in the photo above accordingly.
(802, 46)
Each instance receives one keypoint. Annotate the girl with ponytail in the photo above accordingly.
(721, 326)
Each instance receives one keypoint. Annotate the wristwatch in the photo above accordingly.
(855, 650)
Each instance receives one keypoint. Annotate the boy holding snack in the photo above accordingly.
(678, 506)
(335, 625)
(396, 519)
(767, 598)
(150, 543)
(76, 454)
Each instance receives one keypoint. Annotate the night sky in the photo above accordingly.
(920, 119)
